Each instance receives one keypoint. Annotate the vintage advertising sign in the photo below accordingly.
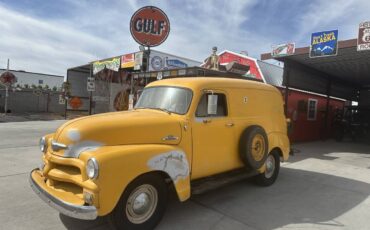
(90, 84)
(363, 40)
(127, 61)
(149, 26)
(162, 61)
(324, 44)
(75, 103)
(254, 70)
(119, 97)
(61, 99)
(138, 60)
(112, 64)
(283, 50)
(7, 78)
(78, 104)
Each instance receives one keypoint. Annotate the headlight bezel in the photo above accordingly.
(92, 166)
(43, 145)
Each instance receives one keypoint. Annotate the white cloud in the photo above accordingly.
(36, 45)
(344, 15)
(96, 31)
(100, 29)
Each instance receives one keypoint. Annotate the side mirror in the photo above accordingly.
(212, 104)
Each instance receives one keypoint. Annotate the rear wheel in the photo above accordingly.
(271, 173)
(142, 204)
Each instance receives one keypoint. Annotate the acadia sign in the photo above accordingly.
(149, 26)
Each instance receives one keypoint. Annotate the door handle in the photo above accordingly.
(170, 138)
(205, 121)
(230, 124)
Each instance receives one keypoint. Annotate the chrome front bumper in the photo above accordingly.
(75, 211)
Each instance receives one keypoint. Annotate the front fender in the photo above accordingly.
(120, 165)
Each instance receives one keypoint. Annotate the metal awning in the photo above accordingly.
(340, 76)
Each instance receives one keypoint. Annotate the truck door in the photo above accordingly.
(214, 149)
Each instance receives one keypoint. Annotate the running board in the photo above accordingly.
(200, 186)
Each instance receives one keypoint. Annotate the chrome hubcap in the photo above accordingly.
(270, 166)
(141, 204)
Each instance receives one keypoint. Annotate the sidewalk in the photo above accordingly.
(19, 117)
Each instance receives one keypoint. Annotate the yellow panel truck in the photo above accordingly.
(182, 133)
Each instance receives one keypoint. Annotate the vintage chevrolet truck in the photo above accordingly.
(181, 132)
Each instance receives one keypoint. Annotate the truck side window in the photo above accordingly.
(203, 104)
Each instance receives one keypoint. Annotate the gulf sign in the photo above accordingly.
(149, 26)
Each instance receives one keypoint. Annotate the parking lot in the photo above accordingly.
(325, 185)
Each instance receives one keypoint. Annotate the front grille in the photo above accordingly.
(68, 187)
(69, 169)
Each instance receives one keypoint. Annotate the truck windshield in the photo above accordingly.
(166, 98)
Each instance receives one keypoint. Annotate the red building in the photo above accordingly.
(305, 109)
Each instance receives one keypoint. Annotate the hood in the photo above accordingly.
(142, 126)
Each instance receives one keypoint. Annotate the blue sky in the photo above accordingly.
(51, 36)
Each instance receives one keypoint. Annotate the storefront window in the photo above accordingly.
(171, 99)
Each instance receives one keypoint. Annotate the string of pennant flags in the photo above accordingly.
(325, 43)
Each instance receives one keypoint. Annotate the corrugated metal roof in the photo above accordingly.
(348, 71)
(273, 74)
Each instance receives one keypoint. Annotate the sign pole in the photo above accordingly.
(6, 92)
(6, 99)
(147, 63)
(90, 96)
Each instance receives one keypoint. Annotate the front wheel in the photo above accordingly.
(271, 173)
(142, 204)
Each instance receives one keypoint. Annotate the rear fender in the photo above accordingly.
(281, 141)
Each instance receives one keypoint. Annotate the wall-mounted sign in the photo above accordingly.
(78, 103)
(283, 50)
(119, 99)
(324, 44)
(363, 40)
(254, 70)
(112, 64)
(138, 60)
(234, 67)
(159, 76)
(61, 99)
(162, 61)
(75, 103)
(127, 61)
(149, 26)
(90, 84)
(156, 63)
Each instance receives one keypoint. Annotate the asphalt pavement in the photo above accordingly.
(325, 185)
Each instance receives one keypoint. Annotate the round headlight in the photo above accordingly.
(92, 168)
(43, 144)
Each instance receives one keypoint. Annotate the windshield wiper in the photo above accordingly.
(161, 109)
